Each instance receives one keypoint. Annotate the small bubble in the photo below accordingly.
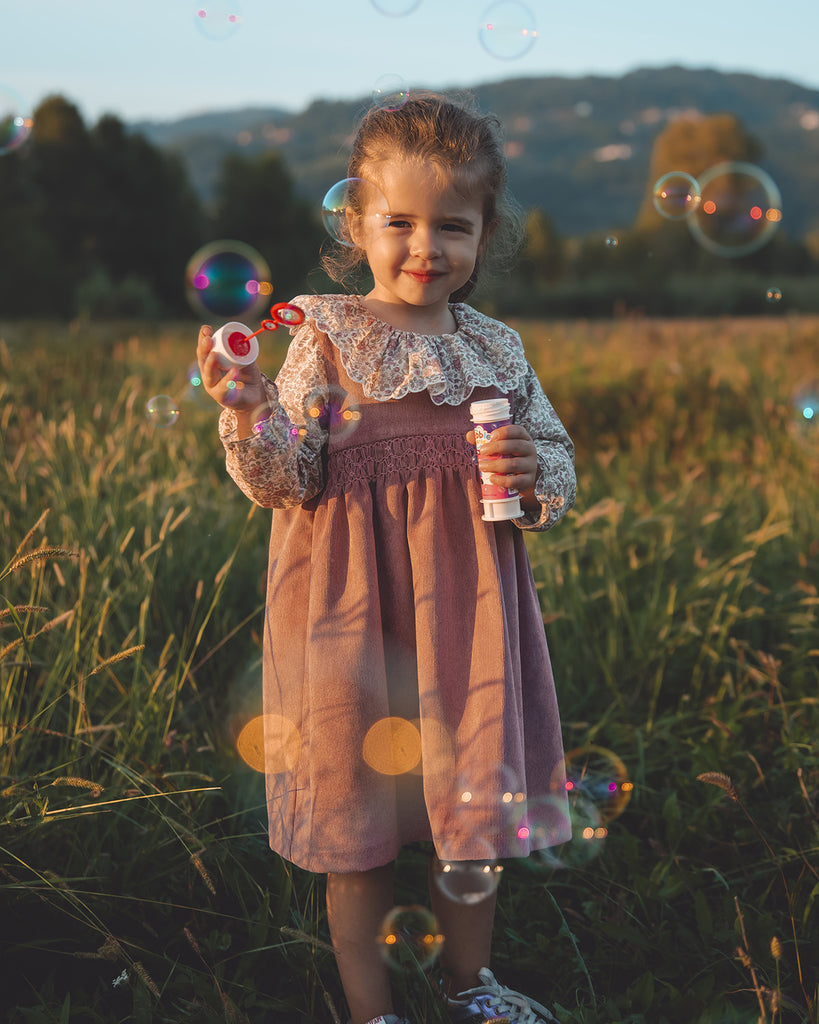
(676, 195)
(612, 241)
(15, 121)
(395, 8)
(218, 20)
(773, 295)
(468, 881)
(336, 411)
(598, 775)
(162, 411)
(507, 30)
(354, 211)
(409, 938)
(390, 92)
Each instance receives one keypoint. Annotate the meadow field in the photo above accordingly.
(680, 598)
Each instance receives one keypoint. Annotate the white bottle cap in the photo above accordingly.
(234, 346)
(490, 411)
(496, 509)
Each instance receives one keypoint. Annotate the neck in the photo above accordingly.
(410, 318)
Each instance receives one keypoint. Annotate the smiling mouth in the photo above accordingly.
(425, 276)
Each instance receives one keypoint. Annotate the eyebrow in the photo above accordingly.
(470, 222)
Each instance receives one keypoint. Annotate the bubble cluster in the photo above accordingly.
(676, 195)
(15, 122)
(390, 92)
(507, 30)
(162, 411)
(218, 19)
(395, 8)
(409, 938)
(227, 279)
(392, 746)
(740, 210)
(353, 211)
(468, 881)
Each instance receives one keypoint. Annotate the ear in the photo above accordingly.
(354, 230)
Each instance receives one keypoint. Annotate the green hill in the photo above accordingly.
(577, 147)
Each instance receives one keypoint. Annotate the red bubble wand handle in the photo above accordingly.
(283, 314)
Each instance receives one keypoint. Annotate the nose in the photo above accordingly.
(423, 244)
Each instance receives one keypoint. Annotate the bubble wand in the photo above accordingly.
(237, 346)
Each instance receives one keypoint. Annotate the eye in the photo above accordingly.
(462, 228)
(396, 222)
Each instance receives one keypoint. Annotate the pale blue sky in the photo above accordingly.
(148, 59)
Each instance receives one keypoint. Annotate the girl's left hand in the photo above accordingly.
(513, 461)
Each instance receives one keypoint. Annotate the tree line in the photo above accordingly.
(100, 222)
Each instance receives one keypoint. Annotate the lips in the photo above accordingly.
(423, 276)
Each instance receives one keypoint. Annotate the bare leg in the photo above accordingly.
(357, 903)
(467, 931)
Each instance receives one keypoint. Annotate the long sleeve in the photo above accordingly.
(281, 465)
(556, 483)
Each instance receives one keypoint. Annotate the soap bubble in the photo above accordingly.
(588, 837)
(392, 746)
(409, 938)
(395, 8)
(468, 881)
(676, 195)
(806, 408)
(773, 295)
(390, 92)
(598, 776)
(507, 30)
(162, 411)
(740, 211)
(537, 823)
(227, 279)
(612, 241)
(15, 121)
(218, 19)
(336, 412)
(353, 211)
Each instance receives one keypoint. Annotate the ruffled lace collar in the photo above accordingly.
(389, 363)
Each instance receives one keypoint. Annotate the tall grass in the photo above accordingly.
(680, 598)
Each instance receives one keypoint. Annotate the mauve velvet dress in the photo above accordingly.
(408, 692)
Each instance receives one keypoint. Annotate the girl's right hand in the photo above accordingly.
(245, 396)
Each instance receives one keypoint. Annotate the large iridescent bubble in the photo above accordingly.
(740, 209)
(227, 279)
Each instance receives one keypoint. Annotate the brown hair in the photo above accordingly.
(464, 147)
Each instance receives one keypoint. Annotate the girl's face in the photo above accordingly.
(424, 251)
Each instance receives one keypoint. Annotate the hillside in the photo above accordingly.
(577, 147)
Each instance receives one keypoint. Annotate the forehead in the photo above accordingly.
(411, 185)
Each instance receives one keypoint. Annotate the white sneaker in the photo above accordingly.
(497, 1003)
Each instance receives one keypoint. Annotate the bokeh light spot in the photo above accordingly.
(392, 746)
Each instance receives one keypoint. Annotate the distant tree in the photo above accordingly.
(147, 219)
(542, 259)
(256, 203)
(693, 145)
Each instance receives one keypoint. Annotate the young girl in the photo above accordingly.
(408, 693)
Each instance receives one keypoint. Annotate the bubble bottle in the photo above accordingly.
(498, 502)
